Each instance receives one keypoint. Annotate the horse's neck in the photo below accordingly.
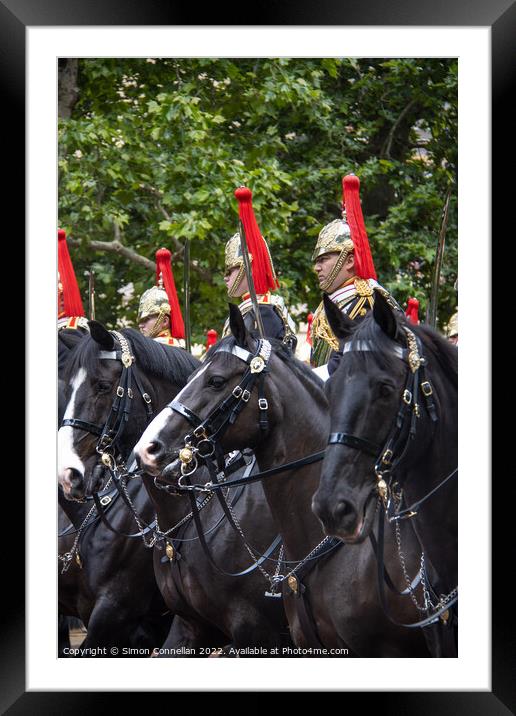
(290, 494)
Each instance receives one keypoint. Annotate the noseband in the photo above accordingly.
(109, 434)
(203, 442)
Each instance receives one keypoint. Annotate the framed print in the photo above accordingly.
(480, 679)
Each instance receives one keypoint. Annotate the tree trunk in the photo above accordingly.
(68, 91)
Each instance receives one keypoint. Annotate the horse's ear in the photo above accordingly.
(237, 325)
(384, 315)
(340, 324)
(101, 335)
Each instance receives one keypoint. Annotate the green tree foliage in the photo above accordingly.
(153, 150)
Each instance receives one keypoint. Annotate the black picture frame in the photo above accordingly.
(500, 16)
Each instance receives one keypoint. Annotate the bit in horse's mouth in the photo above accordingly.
(171, 470)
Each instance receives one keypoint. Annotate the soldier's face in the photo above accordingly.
(147, 324)
(229, 280)
(324, 266)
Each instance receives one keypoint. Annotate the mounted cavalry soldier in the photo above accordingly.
(258, 278)
(159, 313)
(345, 269)
(70, 311)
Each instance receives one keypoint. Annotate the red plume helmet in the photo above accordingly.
(364, 266)
(264, 277)
(71, 304)
(164, 270)
(412, 312)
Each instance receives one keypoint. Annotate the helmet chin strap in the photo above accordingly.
(158, 326)
(335, 270)
(232, 293)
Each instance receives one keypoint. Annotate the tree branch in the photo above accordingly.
(115, 247)
(386, 149)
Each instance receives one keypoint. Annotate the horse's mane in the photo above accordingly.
(152, 357)
(302, 371)
(435, 347)
(67, 339)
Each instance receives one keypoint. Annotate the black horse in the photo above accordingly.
(212, 608)
(330, 602)
(67, 340)
(110, 585)
(393, 407)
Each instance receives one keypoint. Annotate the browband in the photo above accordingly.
(241, 353)
(366, 346)
(110, 355)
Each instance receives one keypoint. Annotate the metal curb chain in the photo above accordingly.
(308, 556)
(406, 576)
(276, 579)
(67, 557)
(159, 534)
(141, 527)
(428, 604)
(249, 550)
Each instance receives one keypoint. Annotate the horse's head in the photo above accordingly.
(232, 402)
(115, 383)
(376, 402)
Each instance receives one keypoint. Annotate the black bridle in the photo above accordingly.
(388, 457)
(110, 433)
(203, 443)
(403, 430)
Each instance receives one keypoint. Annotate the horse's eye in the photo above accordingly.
(385, 389)
(217, 382)
(103, 386)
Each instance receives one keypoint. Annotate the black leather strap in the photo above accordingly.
(307, 460)
(178, 407)
(82, 425)
(357, 443)
(305, 616)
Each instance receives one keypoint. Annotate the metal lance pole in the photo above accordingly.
(186, 288)
(432, 310)
(91, 295)
(250, 282)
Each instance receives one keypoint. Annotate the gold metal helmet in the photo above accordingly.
(335, 237)
(154, 302)
(233, 258)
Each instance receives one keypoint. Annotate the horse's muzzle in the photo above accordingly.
(72, 483)
(347, 519)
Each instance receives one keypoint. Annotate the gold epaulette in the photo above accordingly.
(365, 300)
(362, 287)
